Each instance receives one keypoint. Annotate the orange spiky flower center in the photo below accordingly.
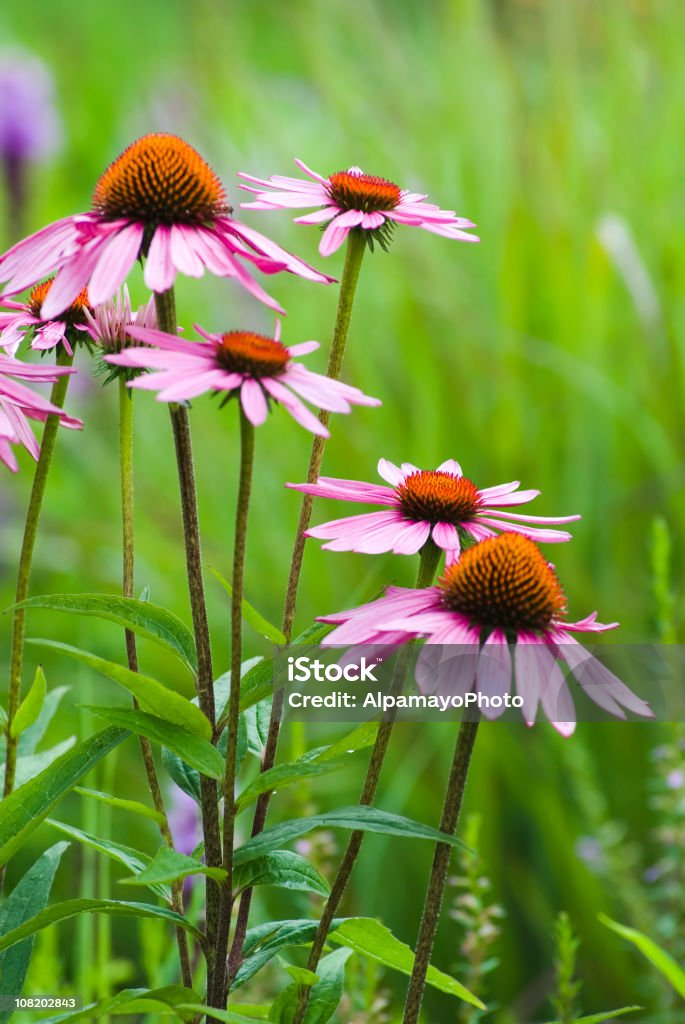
(74, 314)
(504, 582)
(435, 496)
(352, 190)
(254, 354)
(160, 179)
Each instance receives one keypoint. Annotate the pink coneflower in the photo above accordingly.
(255, 367)
(25, 319)
(442, 504)
(18, 404)
(351, 199)
(159, 200)
(108, 323)
(504, 609)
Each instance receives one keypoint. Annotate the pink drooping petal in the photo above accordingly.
(50, 336)
(160, 272)
(318, 216)
(184, 254)
(557, 702)
(478, 531)
(371, 221)
(446, 536)
(304, 347)
(313, 388)
(333, 237)
(519, 517)
(71, 279)
(348, 490)
(493, 677)
(116, 259)
(533, 665)
(542, 536)
(189, 385)
(411, 538)
(312, 174)
(169, 342)
(267, 247)
(599, 683)
(37, 256)
(295, 407)
(253, 401)
(506, 499)
(449, 669)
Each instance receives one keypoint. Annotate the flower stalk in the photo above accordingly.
(166, 318)
(428, 564)
(454, 796)
(40, 479)
(356, 245)
(128, 549)
(247, 439)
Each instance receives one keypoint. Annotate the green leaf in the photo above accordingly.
(32, 764)
(141, 617)
(29, 709)
(367, 936)
(360, 738)
(229, 1016)
(185, 777)
(326, 994)
(72, 908)
(168, 865)
(29, 740)
(257, 720)
(192, 748)
(663, 961)
(169, 1000)
(250, 613)
(28, 897)
(153, 695)
(23, 810)
(283, 775)
(284, 869)
(134, 860)
(222, 686)
(125, 805)
(264, 941)
(599, 1018)
(359, 817)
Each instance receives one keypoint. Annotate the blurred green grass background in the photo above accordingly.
(551, 353)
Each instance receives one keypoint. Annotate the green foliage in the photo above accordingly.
(31, 706)
(264, 941)
(325, 994)
(197, 751)
(133, 806)
(599, 1018)
(141, 617)
(28, 898)
(284, 774)
(173, 999)
(663, 961)
(169, 866)
(567, 988)
(284, 869)
(22, 812)
(153, 696)
(367, 936)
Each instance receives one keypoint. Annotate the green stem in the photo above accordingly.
(209, 797)
(428, 564)
(438, 877)
(40, 479)
(354, 253)
(128, 588)
(247, 439)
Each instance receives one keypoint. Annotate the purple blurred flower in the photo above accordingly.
(29, 124)
(184, 821)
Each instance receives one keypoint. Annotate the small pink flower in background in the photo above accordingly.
(19, 404)
(184, 821)
(24, 318)
(423, 503)
(158, 200)
(255, 367)
(108, 323)
(497, 615)
(351, 199)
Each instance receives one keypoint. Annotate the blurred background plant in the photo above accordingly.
(551, 353)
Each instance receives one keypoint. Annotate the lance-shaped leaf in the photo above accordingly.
(325, 994)
(24, 809)
(250, 613)
(28, 897)
(663, 961)
(365, 819)
(197, 751)
(360, 738)
(30, 707)
(134, 860)
(125, 805)
(264, 941)
(151, 694)
(271, 673)
(32, 764)
(29, 740)
(116, 908)
(599, 1018)
(141, 617)
(227, 1016)
(169, 866)
(283, 775)
(367, 936)
(284, 869)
